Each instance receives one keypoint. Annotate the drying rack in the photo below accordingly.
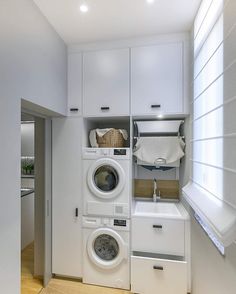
(157, 128)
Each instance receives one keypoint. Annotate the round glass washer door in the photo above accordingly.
(106, 248)
(106, 178)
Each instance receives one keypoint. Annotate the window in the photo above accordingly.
(211, 191)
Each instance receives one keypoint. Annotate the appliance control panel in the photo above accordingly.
(116, 153)
(120, 222)
(119, 152)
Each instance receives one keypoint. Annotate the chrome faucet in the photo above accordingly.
(154, 190)
(155, 197)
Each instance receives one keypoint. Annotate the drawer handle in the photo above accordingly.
(74, 109)
(155, 105)
(157, 226)
(157, 267)
(76, 212)
(105, 108)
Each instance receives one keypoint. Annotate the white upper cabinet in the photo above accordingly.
(74, 84)
(106, 83)
(157, 79)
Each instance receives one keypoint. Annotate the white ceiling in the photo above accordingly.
(117, 19)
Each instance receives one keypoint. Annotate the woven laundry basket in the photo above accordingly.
(112, 139)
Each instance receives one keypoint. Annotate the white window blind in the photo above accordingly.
(214, 118)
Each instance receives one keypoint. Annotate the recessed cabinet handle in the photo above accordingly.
(105, 108)
(74, 109)
(157, 226)
(157, 267)
(76, 212)
(48, 204)
(155, 105)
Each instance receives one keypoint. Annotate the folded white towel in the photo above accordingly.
(100, 133)
(159, 150)
(93, 139)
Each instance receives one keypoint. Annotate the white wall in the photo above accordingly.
(32, 66)
(32, 56)
(212, 273)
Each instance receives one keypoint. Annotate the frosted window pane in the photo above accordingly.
(212, 15)
(209, 178)
(201, 15)
(212, 70)
(213, 41)
(209, 126)
(208, 152)
(210, 99)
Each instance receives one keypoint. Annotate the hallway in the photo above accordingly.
(29, 284)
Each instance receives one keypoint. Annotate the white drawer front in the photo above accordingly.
(152, 276)
(158, 236)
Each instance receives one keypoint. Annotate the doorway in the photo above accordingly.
(35, 201)
(29, 282)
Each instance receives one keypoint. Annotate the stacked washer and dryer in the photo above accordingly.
(106, 217)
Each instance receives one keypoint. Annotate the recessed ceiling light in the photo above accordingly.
(83, 8)
(150, 1)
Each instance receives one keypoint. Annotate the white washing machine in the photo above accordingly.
(106, 182)
(106, 258)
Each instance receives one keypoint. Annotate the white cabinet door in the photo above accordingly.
(157, 235)
(106, 83)
(74, 84)
(157, 79)
(66, 207)
(154, 275)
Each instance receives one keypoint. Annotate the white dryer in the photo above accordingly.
(106, 182)
(106, 246)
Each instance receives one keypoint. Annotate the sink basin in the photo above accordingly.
(158, 209)
(25, 189)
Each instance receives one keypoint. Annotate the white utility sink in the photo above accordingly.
(159, 209)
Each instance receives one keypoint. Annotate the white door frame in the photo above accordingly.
(43, 204)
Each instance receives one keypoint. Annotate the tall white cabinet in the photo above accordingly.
(67, 207)
(106, 82)
(157, 79)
